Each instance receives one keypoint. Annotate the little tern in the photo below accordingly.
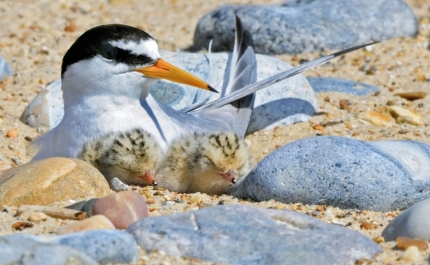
(106, 77)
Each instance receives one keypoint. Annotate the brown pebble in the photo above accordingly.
(93, 223)
(70, 28)
(122, 208)
(327, 99)
(318, 127)
(411, 95)
(21, 225)
(368, 226)
(150, 201)
(378, 239)
(28, 138)
(344, 104)
(12, 133)
(405, 242)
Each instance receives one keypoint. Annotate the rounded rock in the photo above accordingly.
(51, 180)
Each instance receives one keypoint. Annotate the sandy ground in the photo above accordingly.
(35, 35)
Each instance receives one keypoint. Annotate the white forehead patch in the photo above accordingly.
(148, 47)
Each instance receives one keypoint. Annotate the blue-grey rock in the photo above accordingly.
(30, 250)
(284, 103)
(5, 69)
(329, 84)
(342, 172)
(100, 245)
(413, 223)
(307, 25)
(237, 234)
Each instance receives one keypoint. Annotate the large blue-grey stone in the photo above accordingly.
(5, 69)
(237, 234)
(101, 245)
(343, 172)
(29, 250)
(284, 103)
(329, 84)
(413, 223)
(308, 25)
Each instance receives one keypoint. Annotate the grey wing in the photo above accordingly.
(243, 72)
(250, 89)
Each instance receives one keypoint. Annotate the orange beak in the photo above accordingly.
(148, 177)
(230, 176)
(163, 70)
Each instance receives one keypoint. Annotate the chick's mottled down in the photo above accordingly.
(208, 162)
(129, 156)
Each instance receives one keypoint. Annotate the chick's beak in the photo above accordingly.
(164, 70)
(230, 176)
(149, 178)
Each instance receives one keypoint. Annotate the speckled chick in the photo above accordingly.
(129, 156)
(208, 163)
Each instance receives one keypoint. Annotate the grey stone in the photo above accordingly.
(413, 223)
(100, 245)
(5, 69)
(30, 250)
(342, 172)
(308, 25)
(284, 103)
(237, 234)
(329, 84)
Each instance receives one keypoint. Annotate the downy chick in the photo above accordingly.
(129, 156)
(208, 162)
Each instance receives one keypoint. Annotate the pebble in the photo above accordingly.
(341, 172)
(411, 95)
(118, 185)
(411, 223)
(24, 249)
(217, 234)
(5, 69)
(286, 28)
(403, 115)
(51, 180)
(329, 84)
(122, 208)
(103, 246)
(12, 133)
(404, 243)
(37, 217)
(411, 254)
(92, 223)
(376, 118)
(286, 102)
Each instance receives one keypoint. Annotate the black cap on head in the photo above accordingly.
(96, 42)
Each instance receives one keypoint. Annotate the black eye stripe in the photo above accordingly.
(125, 56)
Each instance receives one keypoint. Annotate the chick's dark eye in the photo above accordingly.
(108, 51)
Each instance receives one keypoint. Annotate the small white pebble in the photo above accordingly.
(411, 254)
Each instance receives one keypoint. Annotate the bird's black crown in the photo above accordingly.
(95, 41)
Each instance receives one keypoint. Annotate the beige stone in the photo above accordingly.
(403, 115)
(411, 254)
(37, 217)
(92, 223)
(51, 180)
(376, 118)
